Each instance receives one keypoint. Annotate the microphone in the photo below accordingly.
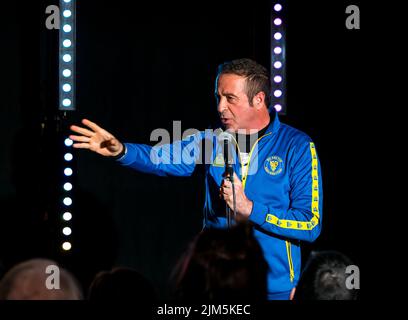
(226, 138)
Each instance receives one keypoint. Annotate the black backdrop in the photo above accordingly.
(140, 68)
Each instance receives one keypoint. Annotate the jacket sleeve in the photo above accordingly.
(303, 219)
(176, 159)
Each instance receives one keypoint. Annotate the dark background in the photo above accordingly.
(140, 68)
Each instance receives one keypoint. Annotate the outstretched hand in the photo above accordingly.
(96, 139)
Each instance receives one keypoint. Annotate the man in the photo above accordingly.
(277, 178)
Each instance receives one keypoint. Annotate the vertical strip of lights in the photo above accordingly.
(278, 61)
(67, 56)
(67, 103)
(67, 202)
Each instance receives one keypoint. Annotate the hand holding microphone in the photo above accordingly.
(231, 189)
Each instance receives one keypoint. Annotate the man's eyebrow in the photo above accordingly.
(229, 94)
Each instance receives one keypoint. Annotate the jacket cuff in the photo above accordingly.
(259, 212)
(122, 154)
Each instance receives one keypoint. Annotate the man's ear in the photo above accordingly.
(259, 100)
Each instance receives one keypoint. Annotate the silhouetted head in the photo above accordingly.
(324, 278)
(224, 264)
(121, 284)
(39, 279)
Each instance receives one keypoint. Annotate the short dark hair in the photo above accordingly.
(121, 284)
(256, 75)
(324, 278)
(223, 264)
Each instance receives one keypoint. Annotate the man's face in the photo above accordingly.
(232, 103)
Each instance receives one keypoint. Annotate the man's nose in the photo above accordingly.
(221, 107)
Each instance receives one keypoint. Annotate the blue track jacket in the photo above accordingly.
(283, 181)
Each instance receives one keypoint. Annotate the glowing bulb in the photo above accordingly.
(277, 35)
(68, 172)
(66, 57)
(277, 7)
(66, 43)
(277, 22)
(66, 102)
(67, 201)
(66, 87)
(67, 231)
(68, 142)
(66, 246)
(68, 156)
(277, 93)
(66, 73)
(67, 13)
(67, 28)
(67, 216)
(277, 65)
(277, 79)
(277, 50)
(67, 186)
(278, 107)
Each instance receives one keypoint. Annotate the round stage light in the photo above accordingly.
(67, 13)
(66, 246)
(67, 201)
(67, 28)
(68, 172)
(278, 107)
(277, 50)
(277, 36)
(277, 65)
(277, 21)
(67, 216)
(67, 186)
(66, 57)
(66, 73)
(67, 231)
(66, 87)
(68, 142)
(68, 156)
(66, 43)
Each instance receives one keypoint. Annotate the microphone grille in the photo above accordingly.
(225, 135)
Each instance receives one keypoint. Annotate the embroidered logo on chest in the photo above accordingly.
(273, 165)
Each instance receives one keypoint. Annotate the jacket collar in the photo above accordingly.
(274, 125)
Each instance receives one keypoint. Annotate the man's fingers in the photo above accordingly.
(226, 183)
(91, 125)
(83, 131)
(79, 138)
(81, 145)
